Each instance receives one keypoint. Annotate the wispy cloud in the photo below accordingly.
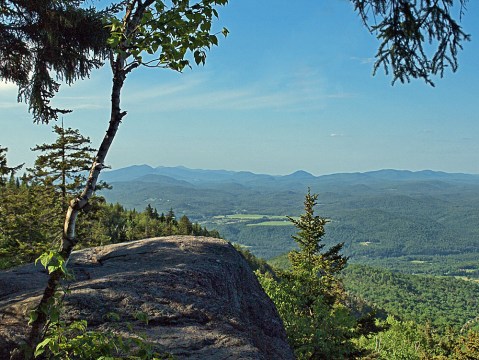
(336, 135)
(9, 105)
(293, 92)
(362, 60)
(303, 89)
(8, 96)
(7, 86)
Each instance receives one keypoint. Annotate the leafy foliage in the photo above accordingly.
(75, 341)
(154, 33)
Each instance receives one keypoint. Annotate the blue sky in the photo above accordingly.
(290, 88)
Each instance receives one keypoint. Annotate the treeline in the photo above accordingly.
(439, 301)
(33, 206)
(125, 225)
(32, 219)
(324, 319)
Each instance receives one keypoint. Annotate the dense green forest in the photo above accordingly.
(366, 312)
(440, 301)
(413, 222)
(33, 206)
(331, 311)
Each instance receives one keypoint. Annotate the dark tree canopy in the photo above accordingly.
(419, 39)
(6, 170)
(43, 42)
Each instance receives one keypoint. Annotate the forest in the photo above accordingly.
(411, 316)
(413, 222)
(327, 310)
(372, 313)
(33, 205)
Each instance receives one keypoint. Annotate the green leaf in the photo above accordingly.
(33, 317)
(214, 40)
(40, 349)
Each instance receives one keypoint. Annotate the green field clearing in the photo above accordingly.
(249, 217)
(272, 223)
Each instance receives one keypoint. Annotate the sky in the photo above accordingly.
(290, 88)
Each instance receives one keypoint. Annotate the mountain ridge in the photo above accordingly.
(199, 176)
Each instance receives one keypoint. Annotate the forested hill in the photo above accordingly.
(417, 222)
(442, 301)
(206, 193)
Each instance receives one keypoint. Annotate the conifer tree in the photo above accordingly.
(311, 258)
(30, 221)
(418, 39)
(185, 227)
(63, 163)
(5, 170)
(43, 42)
(309, 296)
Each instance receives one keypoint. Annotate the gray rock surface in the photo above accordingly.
(202, 300)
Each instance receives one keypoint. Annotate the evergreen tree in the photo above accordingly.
(115, 222)
(44, 41)
(311, 259)
(151, 213)
(29, 221)
(185, 227)
(5, 170)
(64, 163)
(419, 39)
(309, 296)
(170, 217)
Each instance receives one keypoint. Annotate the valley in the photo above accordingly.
(413, 222)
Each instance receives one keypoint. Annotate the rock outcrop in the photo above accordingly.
(201, 298)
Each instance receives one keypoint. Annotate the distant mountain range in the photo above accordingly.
(183, 176)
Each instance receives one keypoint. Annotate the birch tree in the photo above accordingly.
(150, 33)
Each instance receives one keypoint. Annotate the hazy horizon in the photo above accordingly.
(286, 90)
(283, 174)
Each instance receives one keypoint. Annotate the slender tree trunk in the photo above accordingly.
(69, 239)
(120, 69)
(64, 176)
